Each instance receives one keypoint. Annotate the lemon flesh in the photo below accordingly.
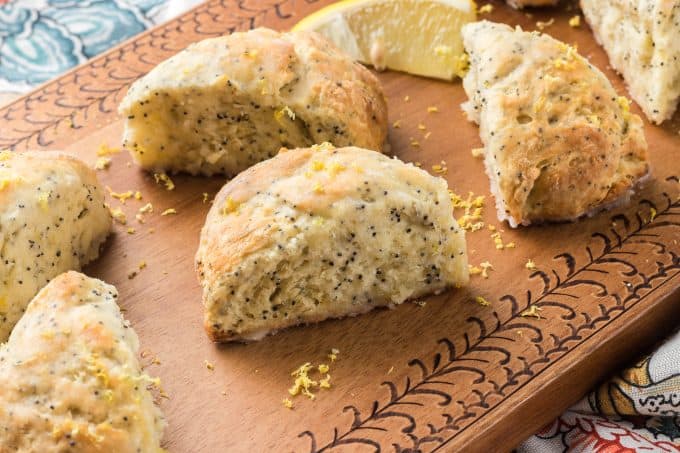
(421, 37)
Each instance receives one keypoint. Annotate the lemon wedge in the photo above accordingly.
(421, 37)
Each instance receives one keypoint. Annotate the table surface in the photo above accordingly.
(449, 374)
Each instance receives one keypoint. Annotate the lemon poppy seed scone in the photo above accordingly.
(321, 233)
(558, 141)
(226, 103)
(70, 378)
(52, 219)
(642, 39)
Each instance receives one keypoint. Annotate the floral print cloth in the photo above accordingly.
(636, 411)
(40, 39)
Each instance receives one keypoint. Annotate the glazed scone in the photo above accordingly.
(558, 141)
(642, 40)
(70, 378)
(52, 219)
(226, 103)
(519, 4)
(321, 233)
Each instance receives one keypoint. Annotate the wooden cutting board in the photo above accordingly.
(449, 375)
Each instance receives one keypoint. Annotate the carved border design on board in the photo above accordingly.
(632, 248)
(87, 97)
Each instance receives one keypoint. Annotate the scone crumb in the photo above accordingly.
(486, 267)
(205, 197)
(209, 365)
(433, 109)
(407, 98)
(333, 356)
(141, 265)
(422, 127)
(165, 179)
(652, 214)
(541, 25)
(287, 403)
(413, 142)
(497, 240)
(146, 209)
(486, 9)
(130, 230)
(420, 303)
(427, 135)
(138, 195)
(482, 301)
(477, 152)
(120, 196)
(106, 150)
(530, 265)
(170, 211)
(102, 163)
(390, 370)
(532, 311)
(323, 368)
(474, 270)
(118, 215)
(575, 21)
(396, 124)
(441, 168)
(325, 383)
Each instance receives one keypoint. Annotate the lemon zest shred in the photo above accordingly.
(532, 311)
(482, 301)
(165, 179)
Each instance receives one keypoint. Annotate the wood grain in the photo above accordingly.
(451, 375)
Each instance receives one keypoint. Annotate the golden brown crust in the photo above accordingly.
(227, 103)
(642, 42)
(310, 235)
(559, 142)
(54, 202)
(70, 377)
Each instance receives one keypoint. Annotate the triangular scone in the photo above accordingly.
(226, 103)
(320, 233)
(642, 39)
(52, 219)
(558, 141)
(70, 380)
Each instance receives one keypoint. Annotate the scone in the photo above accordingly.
(642, 39)
(321, 233)
(70, 378)
(558, 141)
(519, 4)
(226, 103)
(52, 219)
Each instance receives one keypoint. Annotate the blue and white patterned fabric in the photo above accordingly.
(40, 39)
